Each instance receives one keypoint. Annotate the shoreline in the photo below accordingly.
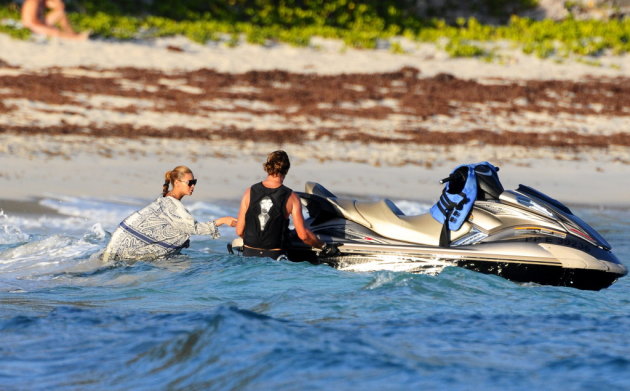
(26, 207)
(225, 177)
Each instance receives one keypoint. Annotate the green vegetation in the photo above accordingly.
(9, 15)
(543, 38)
(359, 24)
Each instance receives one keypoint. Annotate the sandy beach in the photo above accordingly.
(106, 119)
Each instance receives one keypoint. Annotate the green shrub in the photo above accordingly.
(459, 48)
(17, 33)
(358, 24)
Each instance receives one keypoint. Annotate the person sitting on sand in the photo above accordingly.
(263, 217)
(53, 24)
(163, 227)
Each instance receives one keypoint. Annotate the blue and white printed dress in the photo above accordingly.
(160, 229)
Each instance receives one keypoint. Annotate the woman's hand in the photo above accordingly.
(227, 220)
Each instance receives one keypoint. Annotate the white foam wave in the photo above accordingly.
(109, 213)
(46, 224)
(92, 210)
(9, 232)
(53, 254)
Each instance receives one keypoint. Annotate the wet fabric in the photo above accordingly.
(160, 229)
(273, 254)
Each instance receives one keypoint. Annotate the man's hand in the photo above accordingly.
(329, 250)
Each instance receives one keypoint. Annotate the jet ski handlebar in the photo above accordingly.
(454, 177)
(489, 186)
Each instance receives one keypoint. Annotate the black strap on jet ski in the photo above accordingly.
(451, 210)
(445, 234)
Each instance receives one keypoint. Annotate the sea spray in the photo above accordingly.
(9, 232)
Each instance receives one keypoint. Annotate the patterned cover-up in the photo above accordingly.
(160, 229)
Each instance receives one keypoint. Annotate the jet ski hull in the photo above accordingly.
(536, 263)
(545, 274)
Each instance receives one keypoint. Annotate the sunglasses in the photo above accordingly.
(190, 183)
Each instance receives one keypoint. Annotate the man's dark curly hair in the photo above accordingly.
(277, 163)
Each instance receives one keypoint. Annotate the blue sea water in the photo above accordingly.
(206, 320)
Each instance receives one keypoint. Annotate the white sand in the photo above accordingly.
(41, 165)
(326, 57)
(84, 167)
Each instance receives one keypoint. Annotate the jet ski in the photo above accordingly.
(522, 235)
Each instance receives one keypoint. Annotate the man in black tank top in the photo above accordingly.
(266, 223)
(263, 218)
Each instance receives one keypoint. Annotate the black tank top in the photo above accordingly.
(266, 225)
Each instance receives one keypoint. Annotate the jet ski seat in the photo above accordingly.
(387, 220)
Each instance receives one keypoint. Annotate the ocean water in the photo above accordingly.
(206, 320)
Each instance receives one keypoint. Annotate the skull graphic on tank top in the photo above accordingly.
(265, 206)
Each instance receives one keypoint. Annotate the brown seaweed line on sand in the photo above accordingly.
(294, 94)
(570, 140)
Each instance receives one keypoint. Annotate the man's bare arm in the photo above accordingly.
(303, 233)
(240, 219)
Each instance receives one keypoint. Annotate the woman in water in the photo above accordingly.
(163, 227)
